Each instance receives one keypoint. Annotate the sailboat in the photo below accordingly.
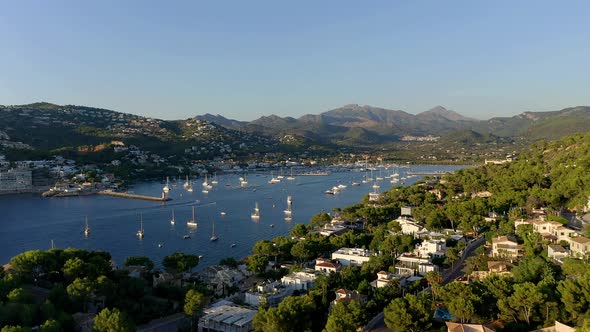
(380, 177)
(289, 203)
(189, 188)
(214, 181)
(193, 221)
(213, 235)
(86, 229)
(375, 184)
(167, 186)
(288, 212)
(140, 232)
(206, 183)
(273, 180)
(291, 177)
(186, 183)
(256, 214)
(243, 181)
(172, 221)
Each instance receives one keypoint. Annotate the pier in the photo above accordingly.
(135, 196)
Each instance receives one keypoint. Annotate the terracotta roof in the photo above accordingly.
(506, 247)
(494, 264)
(504, 239)
(580, 239)
(328, 264)
(557, 248)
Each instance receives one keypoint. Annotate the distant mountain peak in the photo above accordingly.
(441, 111)
(220, 120)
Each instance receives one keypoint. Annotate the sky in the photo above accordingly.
(246, 59)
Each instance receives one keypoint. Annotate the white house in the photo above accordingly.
(384, 278)
(505, 246)
(579, 246)
(407, 210)
(409, 226)
(299, 280)
(431, 248)
(563, 233)
(327, 266)
(556, 252)
(270, 292)
(331, 229)
(344, 295)
(352, 256)
(413, 264)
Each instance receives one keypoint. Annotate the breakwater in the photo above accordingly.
(164, 198)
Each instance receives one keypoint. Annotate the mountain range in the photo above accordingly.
(366, 125)
(439, 131)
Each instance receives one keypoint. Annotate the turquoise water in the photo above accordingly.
(30, 222)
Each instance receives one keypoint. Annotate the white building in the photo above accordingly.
(384, 278)
(331, 229)
(563, 233)
(227, 318)
(409, 226)
(407, 211)
(556, 252)
(352, 256)
(299, 280)
(270, 292)
(579, 246)
(16, 180)
(327, 266)
(414, 264)
(431, 248)
(505, 246)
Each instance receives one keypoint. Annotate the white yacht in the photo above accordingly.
(256, 214)
(172, 221)
(140, 232)
(86, 228)
(192, 222)
(273, 179)
(167, 186)
(206, 183)
(291, 177)
(243, 181)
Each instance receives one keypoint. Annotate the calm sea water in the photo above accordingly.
(30, 222)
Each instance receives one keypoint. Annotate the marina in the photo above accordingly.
(228, 207)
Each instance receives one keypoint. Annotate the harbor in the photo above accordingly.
(114, 219)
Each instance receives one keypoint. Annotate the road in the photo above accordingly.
(377, 324)
(457, 269)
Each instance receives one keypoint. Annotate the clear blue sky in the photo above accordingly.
(244, 59)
